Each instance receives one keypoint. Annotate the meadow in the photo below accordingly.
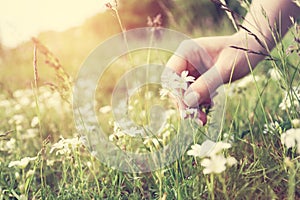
(44, 156)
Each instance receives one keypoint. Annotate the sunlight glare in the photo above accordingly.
(22, 19)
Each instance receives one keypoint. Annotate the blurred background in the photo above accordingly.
(71, 30)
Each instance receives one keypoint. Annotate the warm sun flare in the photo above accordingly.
(20, 20)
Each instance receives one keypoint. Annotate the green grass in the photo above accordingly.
(262, 171)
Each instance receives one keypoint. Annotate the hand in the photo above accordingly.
(213, 61)
(198, 56)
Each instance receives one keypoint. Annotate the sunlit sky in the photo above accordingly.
(22, 19)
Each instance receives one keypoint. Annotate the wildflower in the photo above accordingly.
(105, 109)
(163, 92)
(34, 122)
(24, 101)
(21, 93)
(272, 128)
(94, 153)
(219, 147)
(19, 128)
(228, 137)
(5, 103)
(274, 74)
(176, 85)
(11, 143)
(201, 150)
(22, 164)
(214, 162)
(17, 175)
(230, 161)
(186, 78)
(111, 4)
(112, 137)
(89, 164)
(30, 133)
(84, 140)
(291, 98)
(155, 21)
(17, 119)
(290, 138)
(8, 146)
(214, 165)
(172, 82)
(17, 107)
(30, 173)
(296, 123)
(116, 136)
(189, 112)
(50, 162)
(195, 151)
(117, 132)
(291, 49)
(66, 146)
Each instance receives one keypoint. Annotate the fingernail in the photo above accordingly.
(199, 122)
(191, 99)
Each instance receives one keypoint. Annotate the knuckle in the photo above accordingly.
(187, 47)
(186, 44)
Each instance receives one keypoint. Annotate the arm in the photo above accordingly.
(278, 13)
(226, 60)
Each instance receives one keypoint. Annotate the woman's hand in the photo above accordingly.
(213, 60)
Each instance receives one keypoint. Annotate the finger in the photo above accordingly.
(177, 64)
(203, 88)
(190, 56)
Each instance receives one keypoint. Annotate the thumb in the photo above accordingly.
(203, 88)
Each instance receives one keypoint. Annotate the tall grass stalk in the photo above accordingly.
(38, 113)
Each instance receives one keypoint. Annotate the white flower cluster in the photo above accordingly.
(174, 84)
(291, 138)
(291, 99)
(272, 128)
(22, 164)
(66, 146)
(275, 74)
(24, 100)
(8, 146)
(214, 161)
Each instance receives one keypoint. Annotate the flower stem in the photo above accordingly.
(224, 187)
(123, 32)
(211, 186)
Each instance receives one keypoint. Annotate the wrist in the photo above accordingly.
(250, 43)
